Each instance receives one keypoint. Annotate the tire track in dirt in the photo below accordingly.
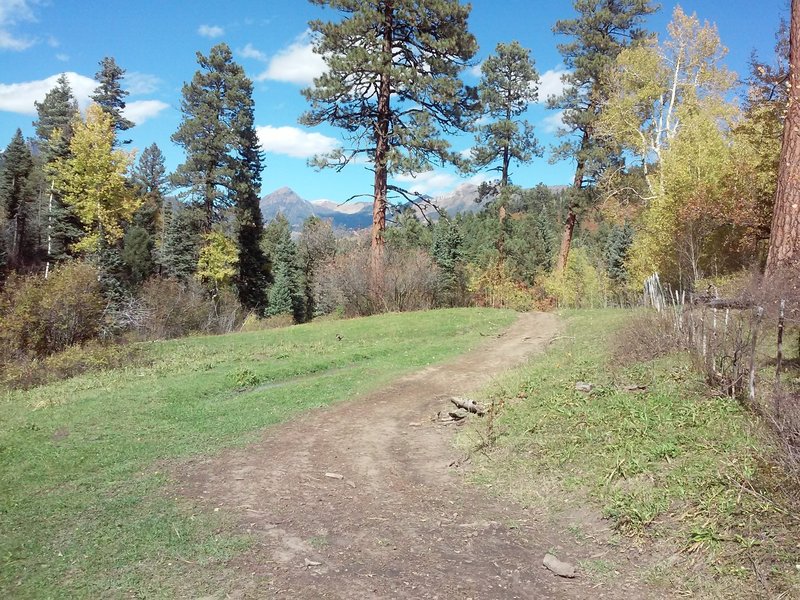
(400, 523)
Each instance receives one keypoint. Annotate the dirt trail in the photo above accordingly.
(401, 523)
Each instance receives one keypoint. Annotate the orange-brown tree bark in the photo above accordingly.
(784, 241)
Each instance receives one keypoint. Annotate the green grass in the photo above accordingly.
(675, 465)
(84, 510)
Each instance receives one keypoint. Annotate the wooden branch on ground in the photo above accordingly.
(468, 404)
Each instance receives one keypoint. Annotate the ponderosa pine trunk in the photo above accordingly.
(572, 216)
(381, 158)
(784, 241)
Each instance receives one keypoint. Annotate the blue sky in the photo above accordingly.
(156, 40)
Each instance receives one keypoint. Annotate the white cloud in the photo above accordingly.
(550, 83)
(13, 12)
(19, 97)
(294, 142)
(211, 31)
(249, 51)
(552, 123)
(141, 83)
(297, 63)
(475, 70)
(428, 183)
(140, 111)
(62, 57)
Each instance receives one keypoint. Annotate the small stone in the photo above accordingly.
(560, 568)
(312, 563)
(582, 386)
(334, 475)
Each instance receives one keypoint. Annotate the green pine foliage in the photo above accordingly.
(509, 83)
(110, 96)
(224, 161)
(446, 251)
(285, 294)
(18, 195)
(180, 251)
(151, 181)
(137, 255)
(55, 116)
(408, 54)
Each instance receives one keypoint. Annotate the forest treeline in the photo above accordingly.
(676, 172)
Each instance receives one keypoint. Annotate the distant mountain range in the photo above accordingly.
(355, 215)
(350, 216)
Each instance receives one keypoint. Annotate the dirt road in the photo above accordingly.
(400, 522)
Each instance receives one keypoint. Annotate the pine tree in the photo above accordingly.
(137, 254)
(602, 29)
(447, 253)
(284, 293)
(616, 252)
(17, 195)
(509, 83)
(784, 241)
(251, 276)
(110, 95)
(56, 114)
(179, 253)
(150, 178)
(274, 233)
(392, 85)
(223, 159)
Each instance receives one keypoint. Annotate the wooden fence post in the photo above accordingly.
(779, 358)
(753, 342)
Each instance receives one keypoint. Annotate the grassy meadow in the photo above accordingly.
(84, 511)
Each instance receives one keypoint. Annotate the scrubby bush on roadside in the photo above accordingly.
(75, 360)
(40, 317)
(495, 287)
(580, 285)
(253, 322)
(411, 282)
(175, 308)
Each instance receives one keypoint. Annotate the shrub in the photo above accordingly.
(580, 285)
(495, 286)
(175, 308)
(74, 360)
(39, 317)
(252, 322)
(410, 283)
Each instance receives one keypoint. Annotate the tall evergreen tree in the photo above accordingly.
(392, 85)
(509, 83)
(110, 95)
(601, 30)
(251, 277)
(223, 159)
(56, 113)
(447, 253)
(178, 255)
(17, 195)
(284, 294)
(150, 178)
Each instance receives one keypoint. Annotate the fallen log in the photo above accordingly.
(468, 404)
